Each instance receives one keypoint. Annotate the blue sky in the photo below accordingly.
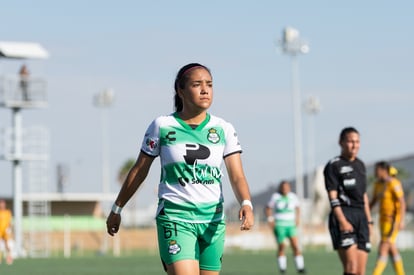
(360, 67)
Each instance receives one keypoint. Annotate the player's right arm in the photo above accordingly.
(134, 179)
(332, 184)
(398, 194)
(270, 218)
(344, 225)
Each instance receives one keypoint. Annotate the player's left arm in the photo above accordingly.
(240, 188)
(368, 212)
(399, 193)
(402, 211)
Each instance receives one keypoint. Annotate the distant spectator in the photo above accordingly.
(24, 81)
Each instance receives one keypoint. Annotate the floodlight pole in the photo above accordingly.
(312, 108)
(104, 100)
(293, 46)
(17, 180)
(19, 50)
(297, 122)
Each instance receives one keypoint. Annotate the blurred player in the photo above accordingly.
(350, 218)
(283, 215)
(389, 193)
(5, 230)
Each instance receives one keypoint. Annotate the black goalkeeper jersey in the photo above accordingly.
(348, 178)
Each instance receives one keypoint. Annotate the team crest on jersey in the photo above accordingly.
(213, 136)
(173, 247)
(151, 143)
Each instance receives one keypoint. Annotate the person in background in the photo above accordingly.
(5, 229)
(350, 220)
(283, 216)
(192, 145)
(388, 191)
(24, 81)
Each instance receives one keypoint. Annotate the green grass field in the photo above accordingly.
(257, 263)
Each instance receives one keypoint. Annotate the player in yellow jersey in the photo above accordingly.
(5, 229)
(388, 191)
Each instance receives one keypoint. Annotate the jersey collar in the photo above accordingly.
(188, 127)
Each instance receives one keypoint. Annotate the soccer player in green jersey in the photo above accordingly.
(283, 215)
(192, 145)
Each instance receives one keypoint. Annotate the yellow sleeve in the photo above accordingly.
(397, 189)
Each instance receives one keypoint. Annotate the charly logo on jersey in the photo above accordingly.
(213, 136)
(173, 247)
(346, 169)
(170, 136)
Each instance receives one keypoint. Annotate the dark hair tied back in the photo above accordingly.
(180, 81)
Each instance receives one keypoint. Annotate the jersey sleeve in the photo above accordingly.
(396, 189)
(151, 142)
(271, 202)
(232, 141)
(331, 177)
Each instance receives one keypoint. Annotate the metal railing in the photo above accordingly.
(15, 92)
(35, 144)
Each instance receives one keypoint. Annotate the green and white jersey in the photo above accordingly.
(284, 208)
(191, 159)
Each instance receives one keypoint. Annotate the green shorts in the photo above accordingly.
(195, 241)
(283, 232)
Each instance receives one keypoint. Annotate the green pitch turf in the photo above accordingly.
(257, 263)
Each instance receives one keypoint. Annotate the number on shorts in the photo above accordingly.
(169, 230)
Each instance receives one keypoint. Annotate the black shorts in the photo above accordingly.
(360, 235)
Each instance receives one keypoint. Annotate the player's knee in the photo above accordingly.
(351, 267)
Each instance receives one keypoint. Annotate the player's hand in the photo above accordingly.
(246, 217)
(271, 222)
(112, 223)
(346, 227)
(371, 229)
(401, 226)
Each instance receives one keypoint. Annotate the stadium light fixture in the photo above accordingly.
(22, 50)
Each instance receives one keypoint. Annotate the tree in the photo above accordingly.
(124, 170)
